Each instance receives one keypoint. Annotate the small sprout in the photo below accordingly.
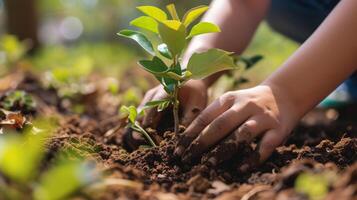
(18, 100)
(132, 113)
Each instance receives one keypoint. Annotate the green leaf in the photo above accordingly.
(175, 73)
(173, 34)
(174, 76)
(155, 66)
(177, 69)
(163, 106)
(20, 156)
(160, 104)
(172, 10)
(130, 112)
(69, 177)
(146, 23)
(153, 12)
(168, 83)
(202, 28)
(204, 64)
(193, 14)
(140, 38)
(164, 51)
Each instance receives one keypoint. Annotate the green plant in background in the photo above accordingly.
(132, 114)
(174, 35)
(12, 49)
(21, 157)
(18, 100)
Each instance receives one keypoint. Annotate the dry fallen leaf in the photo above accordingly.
(12, 119)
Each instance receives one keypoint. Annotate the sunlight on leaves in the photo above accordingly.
(193, 14)
(203, 28)
(146, 23)
(129, 112)
(140, 38)
(206, 63)
(172, 10)
(164, 51)
(153, 12)
(173, 33)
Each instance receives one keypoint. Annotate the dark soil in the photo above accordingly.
(155, 173)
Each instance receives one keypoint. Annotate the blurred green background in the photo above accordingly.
(82, 33)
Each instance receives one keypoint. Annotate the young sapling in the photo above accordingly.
(132, 114)
(174, 33)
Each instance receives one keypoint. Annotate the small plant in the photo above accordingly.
(174, 35)
(18, 100)
(132, 114)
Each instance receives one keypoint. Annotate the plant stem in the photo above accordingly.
(176, 110)
(142, 131)
(175, 103)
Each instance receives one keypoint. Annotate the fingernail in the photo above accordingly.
(179, 150)
(212, 161)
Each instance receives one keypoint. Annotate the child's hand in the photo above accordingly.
(239, 116)
(192, 97)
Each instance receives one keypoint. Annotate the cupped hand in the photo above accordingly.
(239, 116)
(192, 96)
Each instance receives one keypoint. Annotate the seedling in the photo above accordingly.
(132, 115)
(174, 33)
(18, 100)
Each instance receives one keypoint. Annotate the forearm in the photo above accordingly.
(238, 20)
(326, 59)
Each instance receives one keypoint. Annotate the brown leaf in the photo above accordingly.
(12, 119)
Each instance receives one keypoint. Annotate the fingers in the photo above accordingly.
(269, 142)
(152, 116)
(192, 109)
(215, 109)
(252, 128)
(216, 131)
(147, 98)
(193, 99)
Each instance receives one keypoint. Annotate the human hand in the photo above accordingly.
(239, 116)
(192, 96)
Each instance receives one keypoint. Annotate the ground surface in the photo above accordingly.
(327, 154)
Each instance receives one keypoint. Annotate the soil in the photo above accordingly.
(155, 173)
